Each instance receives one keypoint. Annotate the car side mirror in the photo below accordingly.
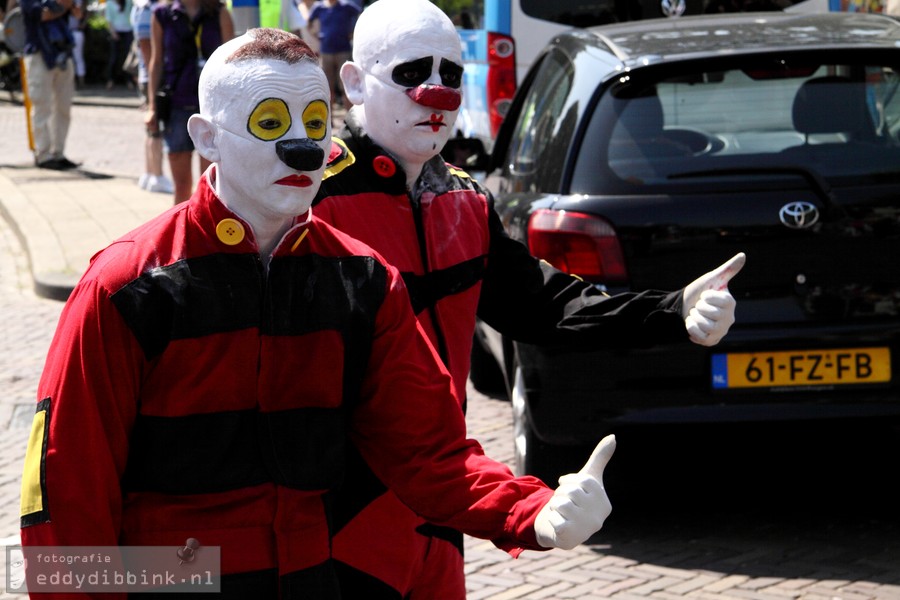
(466, 153)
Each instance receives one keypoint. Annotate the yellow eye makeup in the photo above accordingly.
(270, 120)
(315, 119)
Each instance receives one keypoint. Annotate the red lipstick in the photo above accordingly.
(295, 181)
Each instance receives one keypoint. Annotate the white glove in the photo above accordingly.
(708, 306)
(579, 506)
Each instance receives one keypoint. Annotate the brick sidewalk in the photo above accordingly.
(22, 350)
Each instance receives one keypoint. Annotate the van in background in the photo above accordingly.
(501, 38)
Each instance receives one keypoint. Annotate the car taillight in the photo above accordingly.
(501, 77)
(578, 244)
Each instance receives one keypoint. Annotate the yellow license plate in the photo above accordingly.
(833, 366)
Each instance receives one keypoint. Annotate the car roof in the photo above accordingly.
(657, 40)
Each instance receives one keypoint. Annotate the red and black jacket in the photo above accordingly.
(458, 262)
(192, 391)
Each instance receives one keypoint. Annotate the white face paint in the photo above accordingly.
(411, 58)
(255, 105)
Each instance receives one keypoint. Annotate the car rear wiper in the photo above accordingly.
(819, 185)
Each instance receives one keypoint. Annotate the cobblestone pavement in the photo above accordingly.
(732, 531)
(27, 321)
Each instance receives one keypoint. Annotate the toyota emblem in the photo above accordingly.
(799, 215)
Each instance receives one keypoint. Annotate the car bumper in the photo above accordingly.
(575, 398)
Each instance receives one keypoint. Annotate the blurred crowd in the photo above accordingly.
(156, 48)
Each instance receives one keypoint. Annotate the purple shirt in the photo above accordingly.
(182, 58)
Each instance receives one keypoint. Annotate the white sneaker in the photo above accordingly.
(143, 180)
(160, 184)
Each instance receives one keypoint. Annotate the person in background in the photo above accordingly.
(50, 77)
(77, 17)
(335, 20)
(388, 186)
(290, 18)
(214, 369)
(310, 31)
(152, 179)
(118, 19)
(183, 35)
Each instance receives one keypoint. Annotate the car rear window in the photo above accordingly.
(834, 120)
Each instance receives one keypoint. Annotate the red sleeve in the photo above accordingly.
(87, 400)
(412, 432)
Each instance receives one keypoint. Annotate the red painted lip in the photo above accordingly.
(436, 122)
(295, 181)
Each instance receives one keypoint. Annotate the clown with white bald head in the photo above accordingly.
(264, 121)
(406, 76)
(387, 185)
(218, 371)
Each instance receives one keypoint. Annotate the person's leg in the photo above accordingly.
(37, 78)
(181, 153)
(154, 155)
(152, 146)
(63, 94)
(125, 40)
(78, 56)
(118, 75)
(143, 74)
(153, 179)
(329, 65)
(111, 63)
(182, 177)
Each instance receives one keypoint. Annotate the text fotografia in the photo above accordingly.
(69, 559)
(190, 567)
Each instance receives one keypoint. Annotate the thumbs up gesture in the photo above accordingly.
(708, 306)
(579, 506)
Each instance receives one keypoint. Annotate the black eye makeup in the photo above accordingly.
(413, 73)
(451, 73)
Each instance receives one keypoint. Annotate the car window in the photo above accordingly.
(545, 125)
(884, 99)
(831, 119)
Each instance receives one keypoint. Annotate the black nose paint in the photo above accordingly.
(301, 155)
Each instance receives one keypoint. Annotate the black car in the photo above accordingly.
(642, 155)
